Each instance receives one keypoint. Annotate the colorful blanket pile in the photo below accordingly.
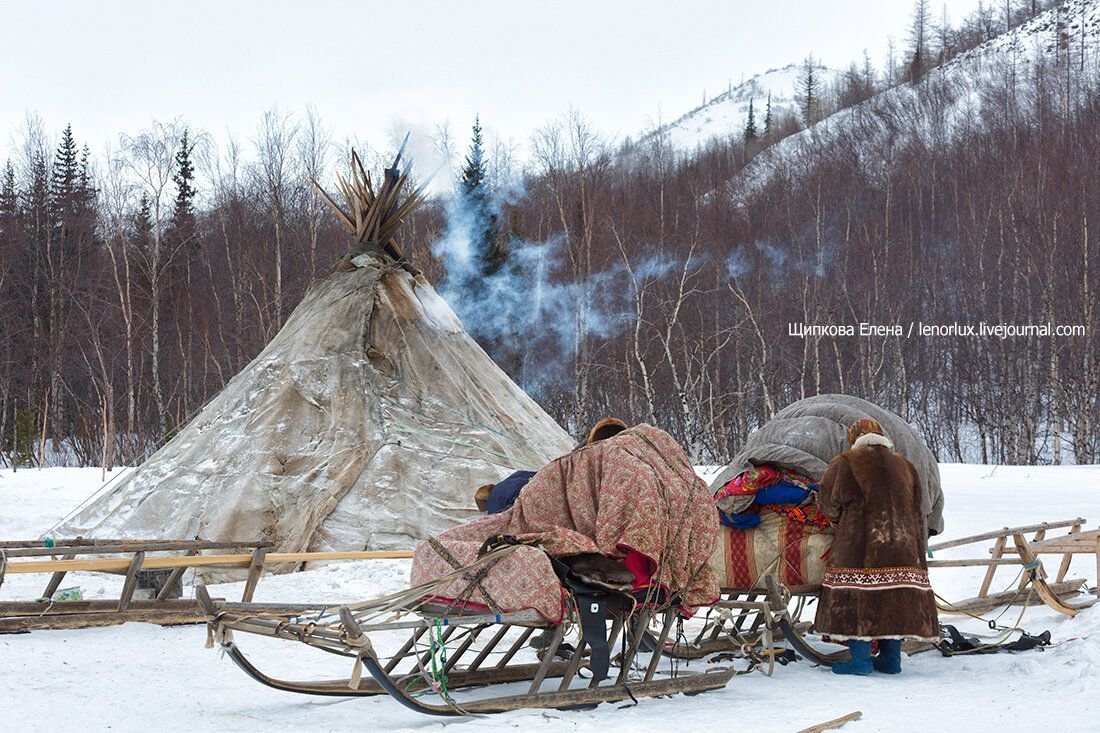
(636, 491)
(742, 499)
(772, 527)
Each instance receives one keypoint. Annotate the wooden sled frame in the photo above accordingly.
(747, 620)
(128, 558)
(485, 656)
(1025, 553)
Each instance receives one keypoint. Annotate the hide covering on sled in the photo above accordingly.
(635, 495)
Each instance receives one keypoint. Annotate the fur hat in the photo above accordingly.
(608, 427)
(481, 497)
(863, 427)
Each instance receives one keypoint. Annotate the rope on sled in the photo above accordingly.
(474, 577)
(946, 605)
(403, 599)
(992, 623)
(439, 661)
(434, 673)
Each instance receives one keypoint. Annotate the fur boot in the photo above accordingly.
(860, 663)
(888, 660)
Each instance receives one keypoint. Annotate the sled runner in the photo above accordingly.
(446, 660)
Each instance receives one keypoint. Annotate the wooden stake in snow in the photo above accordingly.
(831, 724)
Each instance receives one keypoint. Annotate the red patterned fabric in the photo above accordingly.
(793, 551)
(636, 491)
(749, 482)
(810, 515)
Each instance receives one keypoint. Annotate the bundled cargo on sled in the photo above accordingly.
(604, 547)
(774, 543)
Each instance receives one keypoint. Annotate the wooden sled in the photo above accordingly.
(131, 558)
(751, 622)
(457, 656)
(1025, 554)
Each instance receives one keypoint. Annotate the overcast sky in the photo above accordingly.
(368, 67)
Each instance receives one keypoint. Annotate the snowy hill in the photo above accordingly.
(947, 99)
(727, 113)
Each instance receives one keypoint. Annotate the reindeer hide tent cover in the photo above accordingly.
(366, 421)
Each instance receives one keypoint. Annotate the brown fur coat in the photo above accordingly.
(876, 579)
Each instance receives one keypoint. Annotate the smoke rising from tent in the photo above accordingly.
(532, 304)
(776, 260)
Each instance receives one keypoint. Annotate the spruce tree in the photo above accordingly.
(476, 195)
(65, 178)
(71, 196)
(85, 186)
(183, 211)
(143, 222)
(38, 204)
(809, 91)
(9, 197)
(750, 125)
(768, 118)
(9, 213)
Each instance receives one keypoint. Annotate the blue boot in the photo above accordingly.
(860, 663)
(889, 656)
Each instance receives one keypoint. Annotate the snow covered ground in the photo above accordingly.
(144, 677)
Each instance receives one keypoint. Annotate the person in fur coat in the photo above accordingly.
(876, 577)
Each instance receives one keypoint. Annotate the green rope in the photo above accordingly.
(439, 662)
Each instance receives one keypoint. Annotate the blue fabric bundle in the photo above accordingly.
(744, 520)
(503, 495)
(781, 494)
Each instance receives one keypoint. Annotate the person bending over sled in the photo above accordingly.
(876, 579)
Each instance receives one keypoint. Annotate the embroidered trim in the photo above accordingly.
(902, 637)
(876, 578)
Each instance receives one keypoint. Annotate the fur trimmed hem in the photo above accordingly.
(899, 637)
(873, 439)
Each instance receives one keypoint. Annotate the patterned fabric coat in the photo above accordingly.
(636, 491)
(876, 579)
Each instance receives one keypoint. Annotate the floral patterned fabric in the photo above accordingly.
(635, 491)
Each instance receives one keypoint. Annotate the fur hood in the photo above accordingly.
(872, 439)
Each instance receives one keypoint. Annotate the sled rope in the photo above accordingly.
(474, 578)
(947, 605)
(993, 622)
